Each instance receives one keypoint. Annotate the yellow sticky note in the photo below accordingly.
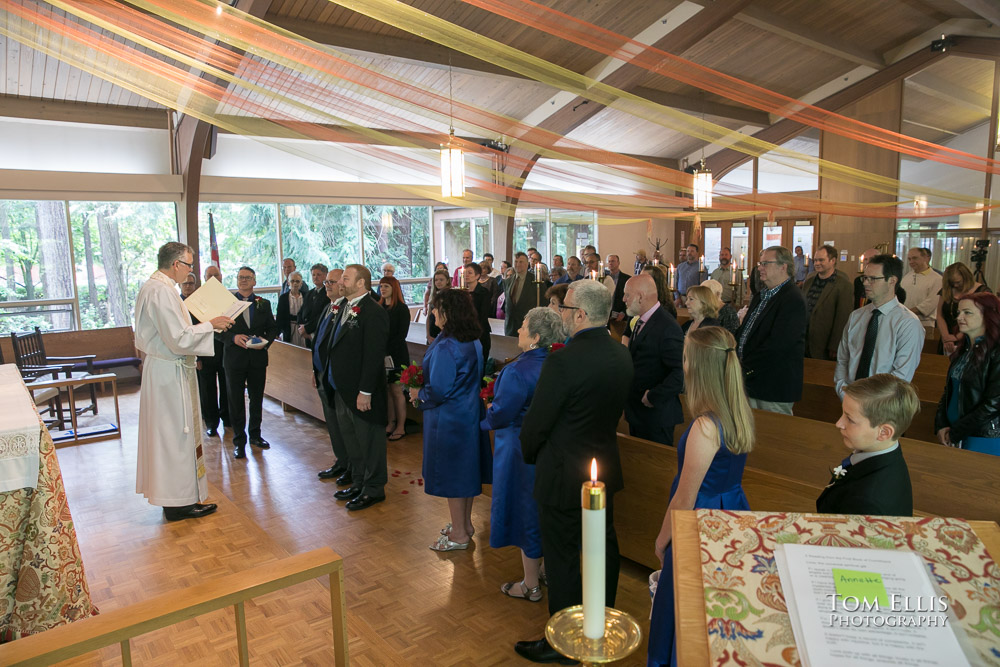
(862, 585)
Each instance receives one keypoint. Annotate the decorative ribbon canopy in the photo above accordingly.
(370, 121)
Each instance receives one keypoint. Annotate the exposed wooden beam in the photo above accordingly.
(988, 9)
(937, 87)
(727, 159)
(808, 36)
(80, 112)
(414, 49)
(709, 108)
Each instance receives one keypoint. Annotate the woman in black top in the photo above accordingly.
(968, 414)
(956, 281)
(439, 281)
(397, 354)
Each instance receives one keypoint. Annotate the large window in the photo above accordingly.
(399, 235)
(84, 272)
(115, 244)
(247, 235)
(320, 234)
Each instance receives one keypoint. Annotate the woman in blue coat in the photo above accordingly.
(514, 513)
(457, 457)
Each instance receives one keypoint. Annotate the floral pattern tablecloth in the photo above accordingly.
(748, 623)
(42, 582)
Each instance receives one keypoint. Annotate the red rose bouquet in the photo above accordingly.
(486, 393)
(412, 377)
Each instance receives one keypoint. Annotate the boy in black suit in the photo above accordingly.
(874, 478)
(246, 367)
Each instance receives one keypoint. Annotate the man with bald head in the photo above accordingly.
(213, 272)
(656, 344)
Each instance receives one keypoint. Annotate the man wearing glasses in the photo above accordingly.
(246, 368)
(882, 337)
(170, 468)
(771, 341)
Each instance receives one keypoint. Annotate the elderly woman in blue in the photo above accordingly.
(514, 514)
(457, 457)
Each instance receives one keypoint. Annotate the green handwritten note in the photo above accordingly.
(862, 585)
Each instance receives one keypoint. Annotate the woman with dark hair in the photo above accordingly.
(556, 296)
(429, 292)
(513, 512)
(441, 280)
(956, 281)
(396, 350)
(968, 413)
(457, 456)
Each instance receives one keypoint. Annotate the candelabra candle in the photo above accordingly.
(538, 273)
(461, 278)
(673, 277)
(600, 268)
(656, 262)
(807, 261)
(593, 501)
(861, 265)
(743, 263)
(593, 275)
(701, 264)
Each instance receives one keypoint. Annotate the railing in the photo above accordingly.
(121, 625)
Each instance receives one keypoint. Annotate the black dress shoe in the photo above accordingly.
(348, 494)
(239, 452)
(260, 442)
(363, 501)
(540, 651)
(188, 511)
(211, 432)
(345, 479)
(330, 473)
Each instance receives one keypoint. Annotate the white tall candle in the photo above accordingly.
(593, 499)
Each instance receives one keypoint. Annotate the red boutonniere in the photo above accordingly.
(556, 346)
(258, 302)
(356, 310)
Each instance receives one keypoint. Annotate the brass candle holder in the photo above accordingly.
(622, 636)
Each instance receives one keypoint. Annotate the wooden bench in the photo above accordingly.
(788, 469)
(821, 402)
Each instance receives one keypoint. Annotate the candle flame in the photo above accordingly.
(593, 470)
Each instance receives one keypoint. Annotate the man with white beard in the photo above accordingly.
(170, 470)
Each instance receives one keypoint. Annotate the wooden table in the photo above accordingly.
(42, 580)
(689, 592)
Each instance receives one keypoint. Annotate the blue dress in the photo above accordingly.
(513, 512)
(457, 457)
(721, 489)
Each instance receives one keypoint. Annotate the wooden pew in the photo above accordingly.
(788, 469)
(821, 402)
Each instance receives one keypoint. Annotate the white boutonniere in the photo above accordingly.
(839, 472)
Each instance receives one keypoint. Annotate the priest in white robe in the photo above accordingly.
(171, 462)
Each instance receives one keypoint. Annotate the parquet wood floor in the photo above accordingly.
(406, 604)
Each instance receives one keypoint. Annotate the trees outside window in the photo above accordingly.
(247, 235)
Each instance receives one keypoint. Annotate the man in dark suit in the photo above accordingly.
(287, 267)
(519, 295)
(481, 301)
(246, 368)
(653, 407)
(616, 323)
(212, 379)
(356, 373)
(341, 469)
(829, 299)
(573, 418)
(874, 479)
(314, 301)
(771, 341)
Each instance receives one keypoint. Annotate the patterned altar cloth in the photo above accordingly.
(42, 582)
(748, 623)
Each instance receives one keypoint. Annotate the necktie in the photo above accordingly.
(638, 328)
(846, 463)
(865, 363)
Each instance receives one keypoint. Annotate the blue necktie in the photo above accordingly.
(319, 337)
(846, 463)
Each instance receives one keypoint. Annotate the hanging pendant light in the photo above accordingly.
(702, 186)
(452, 158)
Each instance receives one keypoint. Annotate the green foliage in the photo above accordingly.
(247, 235)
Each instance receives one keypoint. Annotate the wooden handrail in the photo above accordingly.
(120, 625)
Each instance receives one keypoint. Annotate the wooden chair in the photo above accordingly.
(29, 355)
(51, 398)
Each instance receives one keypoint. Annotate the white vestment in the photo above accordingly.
(170, 470)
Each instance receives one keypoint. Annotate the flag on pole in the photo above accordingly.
(212, 243)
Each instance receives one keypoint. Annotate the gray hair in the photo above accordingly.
(557, 272)
(170, 253)
(546, 324)
(713, 285)
(782, 255)
(295, 273)
(594, 299)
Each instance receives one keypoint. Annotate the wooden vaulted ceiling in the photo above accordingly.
(794, 47)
